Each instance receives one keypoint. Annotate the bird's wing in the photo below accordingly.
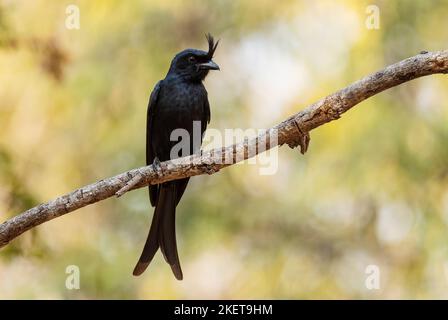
(150, 156)
(182, 183)
(207, 115)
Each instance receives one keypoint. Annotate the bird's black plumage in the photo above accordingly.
(175, 103)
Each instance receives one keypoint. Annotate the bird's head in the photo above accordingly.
(194, 64)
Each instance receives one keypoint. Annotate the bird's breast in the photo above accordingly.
(184, 99)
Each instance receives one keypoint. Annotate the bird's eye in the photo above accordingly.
(191, 59)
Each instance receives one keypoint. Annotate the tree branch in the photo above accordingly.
(294, 131)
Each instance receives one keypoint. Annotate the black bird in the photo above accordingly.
(175, 103)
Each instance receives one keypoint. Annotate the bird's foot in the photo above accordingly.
(302, 139)
(157, 167)
(210, 167)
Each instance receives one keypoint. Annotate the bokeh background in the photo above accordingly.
(372, 190)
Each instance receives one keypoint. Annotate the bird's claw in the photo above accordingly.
(157, 167)
(210, 169)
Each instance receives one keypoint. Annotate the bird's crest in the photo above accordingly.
(211, 45)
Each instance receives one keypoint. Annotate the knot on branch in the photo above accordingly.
(302, 138)
(335, 105)
(131, 183)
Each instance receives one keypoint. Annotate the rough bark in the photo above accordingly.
(294, 132)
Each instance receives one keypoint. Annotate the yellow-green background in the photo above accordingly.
(373, 188)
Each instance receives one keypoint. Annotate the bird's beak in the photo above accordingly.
(210, 65)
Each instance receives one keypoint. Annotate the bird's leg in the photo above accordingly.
(157, 167)
(302, 139)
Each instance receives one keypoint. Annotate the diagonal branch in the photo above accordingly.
(294, 131)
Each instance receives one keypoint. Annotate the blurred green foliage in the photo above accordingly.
(372, 190)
